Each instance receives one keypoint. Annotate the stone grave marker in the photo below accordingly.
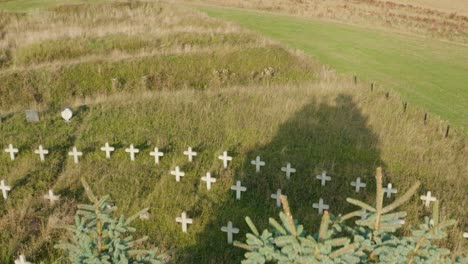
(75, 154)
(230, 230)
(67, 114)
(108, 149)
(12, 151)
(156, 154)
(190, 153)
(5, 189)
(32, 116)
(358, 184)
(225, 158)
(132, 152)
(177, 173)
(389, 190)
(41, 152)
(277, 197)
(52, 197)
(208, 180)
(321, 206)
(323, 178)
(22, 260)
(258, 163)
(184, 221)
(288, 170)
(428, 198)
(238, 188)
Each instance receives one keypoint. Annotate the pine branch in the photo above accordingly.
(242, 245)
(292, 226)
(324, 226)
(403, 199)
(343, 250)
(379, 198)
(361, 204)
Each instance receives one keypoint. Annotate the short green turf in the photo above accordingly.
(428, 72)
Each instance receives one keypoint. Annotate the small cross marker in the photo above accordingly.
(132, 152)
(42, 152)
(277, 196)
(320, 206)
(208, 180)
(184, 220)
(428, 198)
(358, 184)
(230, 230)
(51, 197)
(465, 235)
(108, 149)
(225, 158)
(12, 151)
(323, 178)
(5, 189)
(190, 154)
(177, 173)
(144, 216)
(364, 214)
(22, 260)
(389, 190)
(238, 188)
(258, 163)
(156, 154)
(75, 154)
(288, 169)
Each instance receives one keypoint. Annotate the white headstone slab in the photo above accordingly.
(75, 153)
(52, 197)
(41, 152)
(225, 158)
(321, 206)
(12, 151)
(184, 221)
(67, 114)
(277, 196)
(428, 198)
(132, 152)
(389, 190)
(190, 153)
(177, 173)
(208, 180)
(358, 184)
(5, 189)
(108, 149)
(323, 178)
(22, 260)
(258, 163)
(156, 154)
(145, 216)
(288, 170)
(230, 230)
(465, 234)
(32, 116)
(238, 188)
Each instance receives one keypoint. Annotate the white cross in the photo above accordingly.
(177, 173)
(12, 151)
(22, 260)
(132, 152)
(277, 196)
(465, 235)
(42, 152)
(5, 189)
(144, 216)
(428, 199)
(229, 229)
(257, 162)
(323, 178)
(108, 149)
(75, 154)
(184, 220)
(225, 158)
(389, 190)
(288, 170)
(320, 206)
(208, 180)
(156, 154)
(238, 188)
(190, 154)
(358, 184)
(51, 197)
(364, 214)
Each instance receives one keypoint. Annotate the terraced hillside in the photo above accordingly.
(161, 75)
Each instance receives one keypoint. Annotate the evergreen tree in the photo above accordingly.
(98, 237)
(371, 239)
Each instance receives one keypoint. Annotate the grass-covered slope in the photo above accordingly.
(214, 98)
(427, 71)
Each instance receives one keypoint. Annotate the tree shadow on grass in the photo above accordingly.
(331, 137)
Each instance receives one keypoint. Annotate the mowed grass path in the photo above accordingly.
(428, 72)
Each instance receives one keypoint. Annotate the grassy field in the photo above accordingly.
(207, 84)
(21, 5)
(428, 73)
